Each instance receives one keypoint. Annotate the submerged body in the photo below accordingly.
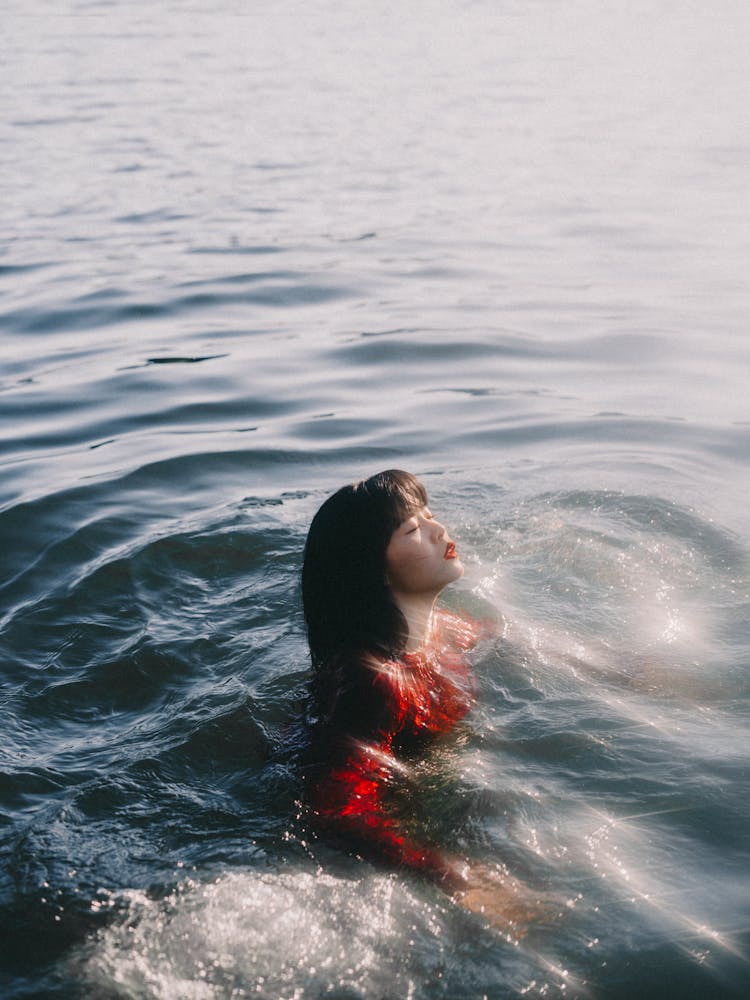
(412, 699)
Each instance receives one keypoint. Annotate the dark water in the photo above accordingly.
(250, 255)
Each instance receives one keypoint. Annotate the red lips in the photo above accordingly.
(450, 551)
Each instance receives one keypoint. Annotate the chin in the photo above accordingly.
(457, 569)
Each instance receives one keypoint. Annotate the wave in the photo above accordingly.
(277, 292)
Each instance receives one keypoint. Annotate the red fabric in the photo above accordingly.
(422, 694)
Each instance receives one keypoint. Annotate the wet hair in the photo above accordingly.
(348, 605)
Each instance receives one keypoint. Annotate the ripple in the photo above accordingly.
(183, 361)
(155, 215)
(660, 434)
(247, 278)
(327, 427)
(373, 352)
(658, 516)
(11, 270)
(140, 680)
(46, 122)
(238, 249)
(282, 295)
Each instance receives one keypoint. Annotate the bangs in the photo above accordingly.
(400, 493)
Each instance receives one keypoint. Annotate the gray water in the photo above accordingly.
(249, 255)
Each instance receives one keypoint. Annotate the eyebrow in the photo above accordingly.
(424, 511)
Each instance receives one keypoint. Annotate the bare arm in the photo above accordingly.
(506, 903)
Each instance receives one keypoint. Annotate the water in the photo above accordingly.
(250, 255)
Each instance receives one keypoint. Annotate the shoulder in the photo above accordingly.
(362, 697)
(456, 632)
(371, 676)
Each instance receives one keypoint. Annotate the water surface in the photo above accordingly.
(250, 255)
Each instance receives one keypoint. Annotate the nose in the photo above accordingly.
(439, 529)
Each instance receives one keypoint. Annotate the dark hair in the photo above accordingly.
(347, 602)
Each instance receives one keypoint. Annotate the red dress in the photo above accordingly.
(417, 696)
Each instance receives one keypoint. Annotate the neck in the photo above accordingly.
(417, 610)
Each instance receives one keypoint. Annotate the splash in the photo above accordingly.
(289, 936)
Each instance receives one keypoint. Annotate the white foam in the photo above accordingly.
(291, 935)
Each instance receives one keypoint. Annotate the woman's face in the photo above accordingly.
(420, 557)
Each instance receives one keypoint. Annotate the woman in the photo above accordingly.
(389, 675)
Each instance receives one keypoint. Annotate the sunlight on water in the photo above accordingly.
(615, 673)
(613, 598)
(287, 935)
(297, 935)
(635, 859)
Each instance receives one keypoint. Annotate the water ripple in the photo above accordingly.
(65, 318)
